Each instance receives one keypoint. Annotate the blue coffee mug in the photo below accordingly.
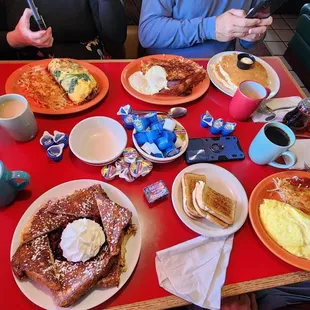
(265, 149)
(9, 187)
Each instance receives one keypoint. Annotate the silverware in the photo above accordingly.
(173, 112)
(306, 167)
(270, 111)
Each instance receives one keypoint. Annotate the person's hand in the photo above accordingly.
(256, 34)
(239, 302)
(22, 36)
(233, 24)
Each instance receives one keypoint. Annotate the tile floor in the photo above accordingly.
(277, 38)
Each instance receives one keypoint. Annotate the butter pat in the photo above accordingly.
(81, 240)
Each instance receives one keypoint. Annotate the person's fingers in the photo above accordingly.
(238, 29)
(253, 302)
(45, 37)
(35, 36)
(25, 19)
(258, 30)
(245, 22)
(240, 13)
(245, 300)
(266, 21)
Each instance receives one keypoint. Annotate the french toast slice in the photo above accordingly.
(34, 260)
(81, 203)
(43, 222)
(114, 219)
(77, 278)
(113, 277)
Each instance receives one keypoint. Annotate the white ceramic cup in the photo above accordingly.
(23, 126)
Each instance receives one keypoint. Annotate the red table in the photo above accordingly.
(252, 266)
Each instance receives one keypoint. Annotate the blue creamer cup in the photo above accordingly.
(141, 137)
(217, 126)
(128, 120)
(140, 123)
(171, 151)
(157, 126)
(163, 143)
(151, 117)
(228, 128)
(61, 137)
(47, 140)
(55, 152)
(152, 135)
(206, 120)
(171, 136)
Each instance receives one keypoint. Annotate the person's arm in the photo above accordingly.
(158, 29)
(111, 23)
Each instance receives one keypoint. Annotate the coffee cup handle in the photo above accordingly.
(292, 161)
(12, 176)
(268, 92)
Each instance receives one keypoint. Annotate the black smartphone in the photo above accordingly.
(37, 17)
(213, 149)
(265, 8)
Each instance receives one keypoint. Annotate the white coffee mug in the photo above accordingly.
(23, 125)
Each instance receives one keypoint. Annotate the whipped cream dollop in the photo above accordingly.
(81, 240)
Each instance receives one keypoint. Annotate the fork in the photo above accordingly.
(306, 167)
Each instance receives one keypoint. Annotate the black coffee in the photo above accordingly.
(277, 136)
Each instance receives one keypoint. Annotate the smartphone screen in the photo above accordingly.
(265, 8)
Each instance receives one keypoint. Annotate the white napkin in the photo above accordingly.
(275, 103)
(196, 269)
(301, 150)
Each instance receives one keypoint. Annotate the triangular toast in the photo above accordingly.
(189, 181)
(35, 260)
(211, 218)
(218, 205)
(43, 222)
(81, 203)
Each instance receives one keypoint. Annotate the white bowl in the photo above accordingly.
(161, 160)
(98, 140)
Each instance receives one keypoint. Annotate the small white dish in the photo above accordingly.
(158, 160)
(222, 181)
(98, 140)
(272, 75)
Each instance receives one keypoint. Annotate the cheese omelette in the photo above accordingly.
(287, 226)
(231, 76)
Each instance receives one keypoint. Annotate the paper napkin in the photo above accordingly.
(301, 150)
(275, 103)
(196, 269)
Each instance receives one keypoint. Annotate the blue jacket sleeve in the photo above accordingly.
(158, 29)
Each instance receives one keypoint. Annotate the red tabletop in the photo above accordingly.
(161, 227)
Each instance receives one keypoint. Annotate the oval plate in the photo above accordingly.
(258, 195)
(273, 76)
(223, 182)
(102, 82)
(40, 295)
(134, 66)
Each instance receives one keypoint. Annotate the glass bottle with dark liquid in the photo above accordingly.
(299, 117)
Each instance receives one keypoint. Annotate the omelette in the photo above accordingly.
(76, 81)
(228, 73)
(287, 226)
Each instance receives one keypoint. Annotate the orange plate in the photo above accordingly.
(102, 81)
(259, 194)
(134, 66)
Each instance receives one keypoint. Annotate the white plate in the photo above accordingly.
(157, 160)
(40, 295)
(273, 76)
(223, 182)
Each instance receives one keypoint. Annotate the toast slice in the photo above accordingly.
(43, 222)
(113, 278)
(218, 205)
(81, 203)
(211, 218)
(77, 278)
(189, 181)
(114, 220)
(35, 261)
